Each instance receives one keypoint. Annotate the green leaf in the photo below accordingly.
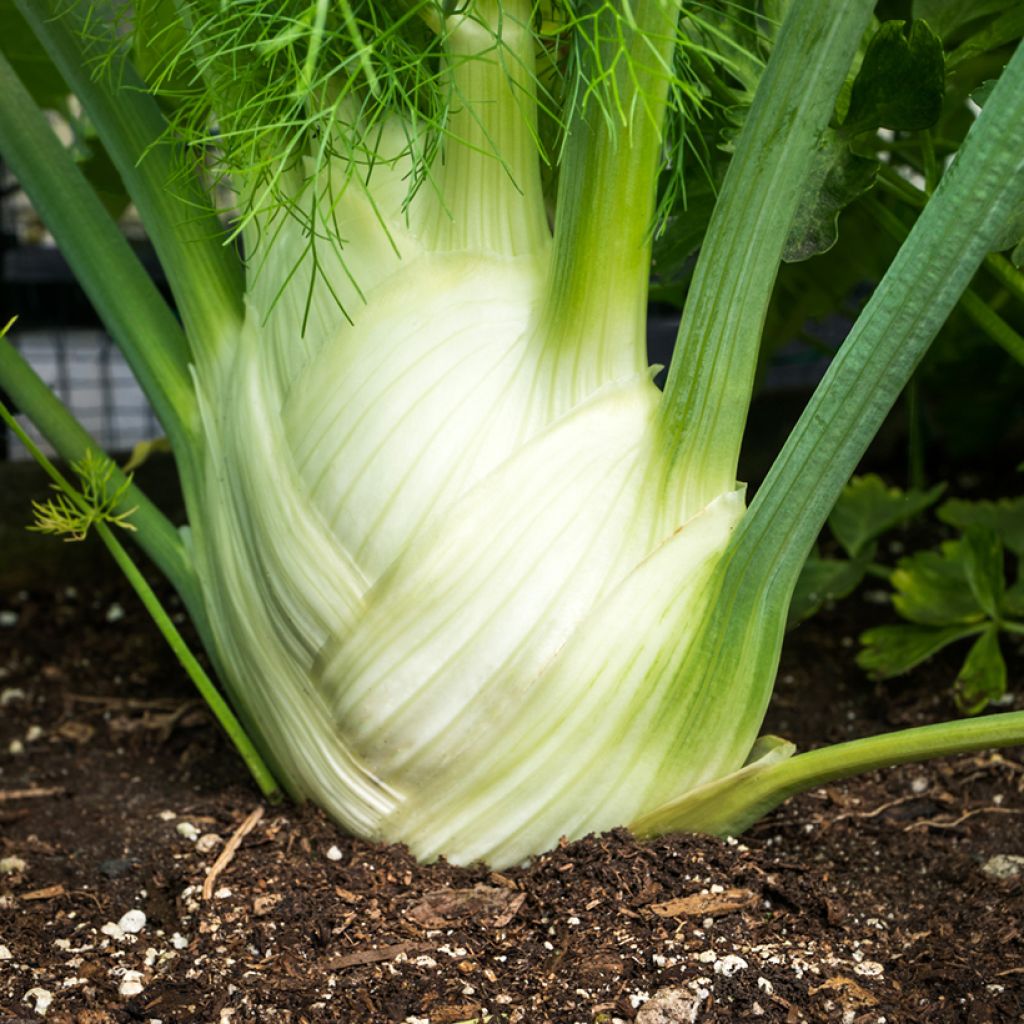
(892, 650)
(867, 508)
(983, 676)
(1005, 517)
(983, 561)
(1003, 31)
(946, 16)
(836, 177)
(901, 80)
(821, 580)
(932, 588)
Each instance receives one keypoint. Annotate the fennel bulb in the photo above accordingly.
(428, 568)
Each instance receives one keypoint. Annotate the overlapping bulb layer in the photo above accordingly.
(452, 603)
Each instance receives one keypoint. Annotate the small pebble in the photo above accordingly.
(12, 694)
(8, 619)
(222, 893)
(671, 1006)
(12, 865)
(34, 733)
(187, 830)
(41, 997)
(919, 785)
(1001, 867)
(334, 853)
(131, 984)
(208, 842)
(15, 747)
(115, 867)
(730, 965)
(115, 613)
(5, 953)
(178, 941)
(132, 922)
(167, 815)
(115, 931)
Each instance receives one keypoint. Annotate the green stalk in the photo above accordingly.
(704, 408)
(486, 194)
(941, 254)
(723, 810)
(606, 195)
(204, 274)
(156, 535)
(973, 305)
(948, 243)
(207, 690)
(122, 292)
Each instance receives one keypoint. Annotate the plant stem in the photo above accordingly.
(204, 274)
(763, 791)
(156, 534)
(606, 194)
(486, 193)
(973, 305)
(224, 715)
(1006, 274)
(120, 289)
(707, 395)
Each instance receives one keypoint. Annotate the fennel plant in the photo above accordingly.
(471, 580)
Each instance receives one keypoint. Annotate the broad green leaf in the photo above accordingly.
(983, 676)
(892, 650)
(867, 508)
(946, 16)
(983, 561)
(1004, 30)
(821, 580)
(1005, 517)
(837, 176)
(901, 80)
(932, 588)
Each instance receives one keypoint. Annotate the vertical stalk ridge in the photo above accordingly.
(486, 195)
(707, 394)
(597, 300)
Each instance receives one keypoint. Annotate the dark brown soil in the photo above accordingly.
(894, 898)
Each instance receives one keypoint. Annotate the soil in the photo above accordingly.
(897, 897)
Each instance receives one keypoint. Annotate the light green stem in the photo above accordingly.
(156, 535)
(736, 810)
(207, 690)
(973, 305)
(708, 391)
(205, 275)
(1006, 274)
(606, 195)
(485, 193)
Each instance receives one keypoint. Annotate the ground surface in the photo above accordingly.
(894, 898)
